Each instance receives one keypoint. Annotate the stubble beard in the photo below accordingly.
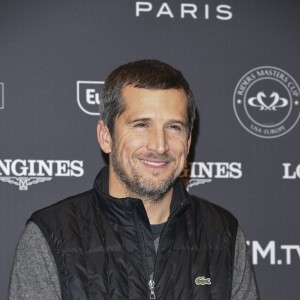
(137, 185)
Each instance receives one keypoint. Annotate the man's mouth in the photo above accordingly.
(154, 163)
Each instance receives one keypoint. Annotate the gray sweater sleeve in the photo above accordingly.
(34, 274)
(243, 284)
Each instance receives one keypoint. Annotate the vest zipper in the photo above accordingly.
(151, 283)
(151, 287)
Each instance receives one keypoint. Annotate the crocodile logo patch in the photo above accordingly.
(201, 280)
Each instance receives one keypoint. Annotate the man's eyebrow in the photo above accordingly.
(181, 122)
(172, 121)
(139, 120)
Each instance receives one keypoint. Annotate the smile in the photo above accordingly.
(154, 163)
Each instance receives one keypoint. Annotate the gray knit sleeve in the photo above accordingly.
(34, 274)
(243, 285)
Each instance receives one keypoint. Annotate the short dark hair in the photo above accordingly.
(149, 74)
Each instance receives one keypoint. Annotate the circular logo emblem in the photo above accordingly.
(266, 102)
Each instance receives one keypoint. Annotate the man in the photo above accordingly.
(137, 234)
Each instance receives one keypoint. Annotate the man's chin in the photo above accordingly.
(154, 189)
(155, 174)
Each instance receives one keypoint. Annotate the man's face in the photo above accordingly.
(150, 142)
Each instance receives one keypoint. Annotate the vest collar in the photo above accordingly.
(120, 210)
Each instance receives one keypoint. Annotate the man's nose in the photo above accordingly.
(158, 141)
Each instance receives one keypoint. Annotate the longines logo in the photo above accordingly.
(266, 102)
(197, 173)
(88, 96)
(291, 172)
(1, 95)
(23, 173)
(222, 12)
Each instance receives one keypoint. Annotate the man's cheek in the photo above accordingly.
(179, 147)
(136, 142)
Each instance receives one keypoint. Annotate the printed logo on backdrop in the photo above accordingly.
(274, 253)
(24, 173)
(1, 95)
(88, 96)
(196, 173)
(291, 171)
(266, 102)
(204, 11)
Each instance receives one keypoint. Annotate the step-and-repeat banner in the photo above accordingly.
(242, 61)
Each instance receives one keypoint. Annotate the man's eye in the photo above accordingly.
(140, 125)
(176, 127)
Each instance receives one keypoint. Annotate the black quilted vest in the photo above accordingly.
(103, 247)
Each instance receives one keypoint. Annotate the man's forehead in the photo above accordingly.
(142, 98)
(139, 93)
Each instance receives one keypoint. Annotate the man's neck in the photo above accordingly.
(158, 211)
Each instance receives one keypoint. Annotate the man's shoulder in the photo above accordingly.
(60, 208)
(212, 214)
(206, 205)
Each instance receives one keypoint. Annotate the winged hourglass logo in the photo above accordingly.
(24, 173)
(197, 173)
(24, 182)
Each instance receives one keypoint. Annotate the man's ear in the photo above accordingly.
(189, 142)
(104, 137)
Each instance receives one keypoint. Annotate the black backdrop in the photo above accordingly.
(241, 59)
